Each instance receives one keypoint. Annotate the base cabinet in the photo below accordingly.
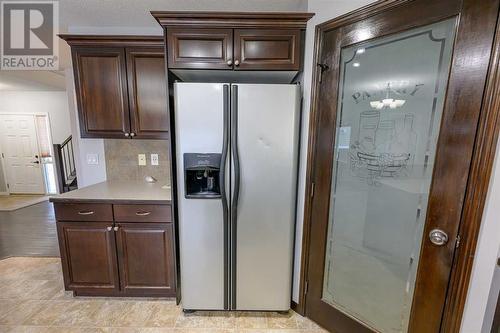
(146, 251)
(132, 258)
(88, 257)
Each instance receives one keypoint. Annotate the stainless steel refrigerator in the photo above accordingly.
(237, 156)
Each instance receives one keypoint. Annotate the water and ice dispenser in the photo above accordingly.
(202, 175)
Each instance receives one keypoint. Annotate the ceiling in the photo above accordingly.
(123, 17)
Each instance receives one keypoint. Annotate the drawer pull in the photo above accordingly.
(142, 213)
(86, 212)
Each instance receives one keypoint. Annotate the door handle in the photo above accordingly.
(438, 237)
(36, 162)
(236, 190)
(222, 186)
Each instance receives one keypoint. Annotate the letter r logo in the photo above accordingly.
(27, 28)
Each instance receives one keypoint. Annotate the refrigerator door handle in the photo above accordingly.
(236, 189)
(222, 186)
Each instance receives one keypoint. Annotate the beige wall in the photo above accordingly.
(122, 161)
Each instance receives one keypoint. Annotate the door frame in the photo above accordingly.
(2, 162)
(478, 181)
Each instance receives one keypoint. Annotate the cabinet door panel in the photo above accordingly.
(200, 48)
(101, 89)
(147, 86)
(88, 255)
(146, 258)
(267, 49)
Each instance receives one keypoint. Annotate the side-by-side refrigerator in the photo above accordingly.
(237, 155)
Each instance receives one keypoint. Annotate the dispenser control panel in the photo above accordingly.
(202, 175)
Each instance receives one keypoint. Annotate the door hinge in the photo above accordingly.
(313, 186)
(457, 242)
(322, 68)
(306, 287)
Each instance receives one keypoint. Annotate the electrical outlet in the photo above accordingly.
(154, 159)
(92, 159)
(142, 159)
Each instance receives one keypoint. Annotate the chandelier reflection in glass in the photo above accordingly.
(387, 102)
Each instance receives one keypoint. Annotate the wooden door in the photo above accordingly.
(395, 112)
(197, 48)
(147, 89)
(88, 254)
(146, 258)
(19, 143)
(259, 49)
(101, 90)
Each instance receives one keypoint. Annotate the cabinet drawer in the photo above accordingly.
(83, 212)
(143, 213)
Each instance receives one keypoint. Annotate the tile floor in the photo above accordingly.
(32, 299)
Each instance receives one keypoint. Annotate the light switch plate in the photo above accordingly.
(92, 159)
(154, 159)
(141, 159)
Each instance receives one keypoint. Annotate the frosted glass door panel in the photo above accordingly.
(391, 96)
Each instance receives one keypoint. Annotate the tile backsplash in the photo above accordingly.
(122, 163)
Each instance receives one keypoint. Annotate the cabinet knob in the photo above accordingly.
(132, 134)
(127, 134)
(109, 228)
(236, 62)
(229, 62)
(115, 228)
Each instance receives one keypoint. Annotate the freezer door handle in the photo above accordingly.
(236, 189)
(222, 186)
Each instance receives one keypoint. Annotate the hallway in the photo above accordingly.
(29, 231)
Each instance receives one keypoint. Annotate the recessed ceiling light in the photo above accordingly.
(356, 64)
(360, 51)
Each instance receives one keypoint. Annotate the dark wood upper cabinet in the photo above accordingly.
(120, 86)
(276, 49)
(147, 92)
(239, 41)
(146, 255)
(200, 48)
(101, 86)
(88, 257)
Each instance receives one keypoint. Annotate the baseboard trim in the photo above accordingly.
(297, 308)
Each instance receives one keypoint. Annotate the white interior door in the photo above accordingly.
(21, 154)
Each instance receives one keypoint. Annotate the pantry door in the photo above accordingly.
(398, 93)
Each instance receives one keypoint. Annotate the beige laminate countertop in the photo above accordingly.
(119, 192)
